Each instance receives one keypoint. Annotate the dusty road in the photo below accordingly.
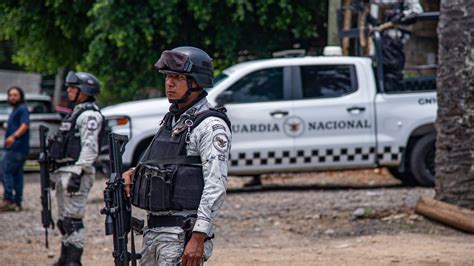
(310, 224)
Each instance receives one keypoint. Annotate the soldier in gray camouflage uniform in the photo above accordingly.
(74, 149)
(190, 151)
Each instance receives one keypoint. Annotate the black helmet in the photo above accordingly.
(86, 82)
(189, 61)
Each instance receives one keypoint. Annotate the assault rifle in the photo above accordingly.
(118, 209)
(44, 162)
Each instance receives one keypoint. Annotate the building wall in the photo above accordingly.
(29, 82)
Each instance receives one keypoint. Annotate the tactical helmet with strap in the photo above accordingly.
(86, 82)
(192, 62)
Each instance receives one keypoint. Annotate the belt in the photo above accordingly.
(169, 220)
(58, 165)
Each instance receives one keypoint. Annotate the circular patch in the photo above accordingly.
(221, 142)
(92, 124)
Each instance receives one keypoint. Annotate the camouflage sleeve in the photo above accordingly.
(212, 141)
(412, 7)
(90, 125)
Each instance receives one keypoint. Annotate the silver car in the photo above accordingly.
(41, 113)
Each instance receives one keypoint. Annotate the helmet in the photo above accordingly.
(87, 83)
(189, 61)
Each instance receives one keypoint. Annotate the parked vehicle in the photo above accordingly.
(304, 114)
(41, 113)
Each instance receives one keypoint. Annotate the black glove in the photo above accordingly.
(74, 183)
(396, 19)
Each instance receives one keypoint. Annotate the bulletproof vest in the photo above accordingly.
(166, 178)
(66, 143)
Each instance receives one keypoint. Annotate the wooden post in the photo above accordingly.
(346, 26)
(58, 85)
(457, 217)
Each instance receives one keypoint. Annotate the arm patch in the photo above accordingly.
(92, 124)
(221, 142)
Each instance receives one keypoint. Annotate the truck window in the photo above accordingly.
(39, 107)
(259, 86)
(325, 81)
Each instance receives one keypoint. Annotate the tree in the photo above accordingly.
(47, 34)
(455, 122)
(119, 41)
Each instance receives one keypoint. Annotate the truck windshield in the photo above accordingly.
(218, 80)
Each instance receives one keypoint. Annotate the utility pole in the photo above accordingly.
(58, 85)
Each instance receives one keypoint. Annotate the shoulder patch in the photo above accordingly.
(92, 123)
(217, 126)
(221, 142)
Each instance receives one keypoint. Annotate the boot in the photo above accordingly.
(7, 206)
(74, 256)
(63, 257)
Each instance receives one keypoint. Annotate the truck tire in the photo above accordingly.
(406, 177)
(422, 160)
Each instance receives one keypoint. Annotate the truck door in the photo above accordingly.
(336, 111)
(258, 104)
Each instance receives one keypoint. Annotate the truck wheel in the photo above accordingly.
(406, 177)
(422, 161)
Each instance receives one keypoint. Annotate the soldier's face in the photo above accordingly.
(71, 92)
(176, 86)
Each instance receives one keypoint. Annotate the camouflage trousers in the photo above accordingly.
(164, 246)
(73, 205)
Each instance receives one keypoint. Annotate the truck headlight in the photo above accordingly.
(120, 124)
(118, 121)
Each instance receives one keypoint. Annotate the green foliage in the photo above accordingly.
(119, 41)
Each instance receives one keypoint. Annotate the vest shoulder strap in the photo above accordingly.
(82, 110)
(216, 112)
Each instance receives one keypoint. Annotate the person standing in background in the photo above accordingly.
(16, 146)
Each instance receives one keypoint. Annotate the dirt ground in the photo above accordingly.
(296, 219)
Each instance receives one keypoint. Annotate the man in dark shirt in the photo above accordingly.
(16, 148)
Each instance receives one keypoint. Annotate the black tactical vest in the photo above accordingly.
(166, 178)
(65, 145)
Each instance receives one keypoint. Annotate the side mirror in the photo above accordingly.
(224, 97)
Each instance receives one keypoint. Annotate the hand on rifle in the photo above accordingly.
(127, 181)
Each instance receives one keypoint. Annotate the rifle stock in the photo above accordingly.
(44, 162)
(118, 209)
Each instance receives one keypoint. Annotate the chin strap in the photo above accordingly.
(189, 82)
(77, 95)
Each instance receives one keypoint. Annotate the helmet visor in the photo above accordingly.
(71, 79)
(174, 62)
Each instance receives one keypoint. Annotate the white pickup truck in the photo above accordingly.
(305, 114)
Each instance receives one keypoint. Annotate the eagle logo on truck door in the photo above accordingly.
(293, 126)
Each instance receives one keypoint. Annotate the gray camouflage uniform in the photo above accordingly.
(89, 124)
(210, 140)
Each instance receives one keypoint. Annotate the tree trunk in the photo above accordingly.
(455, 122)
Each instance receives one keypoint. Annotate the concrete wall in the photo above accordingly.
(29, 82)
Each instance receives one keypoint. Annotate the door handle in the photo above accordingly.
(356, 109)
(279, 114)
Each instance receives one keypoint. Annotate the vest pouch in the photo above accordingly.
(160, 190)
(152, 188)
(140, 188)
(188, 185)
(73, 146)
(56, 148)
